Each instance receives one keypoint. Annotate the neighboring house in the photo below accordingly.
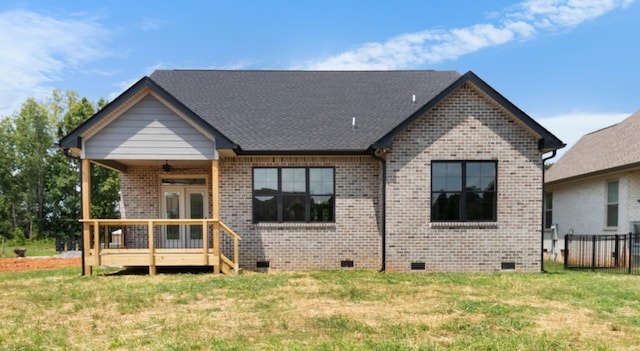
(392, 170)
(594, 188)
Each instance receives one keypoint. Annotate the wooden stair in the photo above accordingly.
(227, 267)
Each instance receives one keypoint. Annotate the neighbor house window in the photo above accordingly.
(293, 194)
(463, 191)
(612, 203)
(548, 210)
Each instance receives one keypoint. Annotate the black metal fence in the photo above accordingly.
(619, 253)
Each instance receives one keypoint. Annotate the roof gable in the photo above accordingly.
(74, 138)
(149, 130)
(547, 141)
(606, 150)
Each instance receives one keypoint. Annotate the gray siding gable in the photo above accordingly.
(150, 130)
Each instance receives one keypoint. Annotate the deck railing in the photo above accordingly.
(158, 242)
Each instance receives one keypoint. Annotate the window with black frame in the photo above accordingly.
(293, 194)
(463, 191)
(548, 209)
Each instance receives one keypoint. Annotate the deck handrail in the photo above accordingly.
(150, 223)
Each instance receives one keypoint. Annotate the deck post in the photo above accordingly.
(152, 249)
(96, 243)
(205, 242)
(215, 212)
(86, 215)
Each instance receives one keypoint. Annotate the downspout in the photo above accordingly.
(383, 222)
(553, 154)
(69, 155)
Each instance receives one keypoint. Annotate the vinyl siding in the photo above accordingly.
(151, 131)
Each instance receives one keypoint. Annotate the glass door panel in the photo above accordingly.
(183, 202)
(195, 210)
(172, 210)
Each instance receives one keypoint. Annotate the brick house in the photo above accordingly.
(594, 188)
(298, 170)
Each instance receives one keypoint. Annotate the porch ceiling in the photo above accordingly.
(175, 164)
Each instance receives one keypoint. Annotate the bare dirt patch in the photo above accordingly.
(29, 264)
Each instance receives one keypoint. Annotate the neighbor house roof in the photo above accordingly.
(607, 150)
(267, 112)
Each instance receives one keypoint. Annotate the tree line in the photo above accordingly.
(40, 184)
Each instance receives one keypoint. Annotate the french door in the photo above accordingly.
(183, 202)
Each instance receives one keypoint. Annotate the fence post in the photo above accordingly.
(593, 253)
(629, 244)
(567, 238)
(616, 252)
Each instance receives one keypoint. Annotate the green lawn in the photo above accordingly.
(34, 248)
(333, 310)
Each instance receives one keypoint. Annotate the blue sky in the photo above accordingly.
(570, 64)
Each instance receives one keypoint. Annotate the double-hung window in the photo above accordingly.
(463, 191)
(293, 194)
(612, 203)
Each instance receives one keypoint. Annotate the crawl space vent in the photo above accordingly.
(418, 266)
(508, 265)
(262, 264)
(346, 264)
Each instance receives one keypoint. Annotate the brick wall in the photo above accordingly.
(464, 126)
(140, 197)
(355, 235)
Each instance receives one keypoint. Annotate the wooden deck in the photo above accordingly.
(139, 244)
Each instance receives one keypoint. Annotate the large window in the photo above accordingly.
(612, 203)
(293, 195)
(463, 191)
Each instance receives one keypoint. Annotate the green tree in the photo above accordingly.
(62, 194)
(39, 182)
(8, 187)
(33, 143)
(64, 188)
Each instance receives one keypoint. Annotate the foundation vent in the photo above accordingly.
(346, 264)
(262, 264)
(418, 266)
(508, 265)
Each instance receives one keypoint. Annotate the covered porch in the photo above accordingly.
(186, 232)
(168, 160)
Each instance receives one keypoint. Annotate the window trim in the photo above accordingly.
(463, 193)
(280, 196)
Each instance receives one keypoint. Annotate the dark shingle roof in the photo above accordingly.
(304, 111)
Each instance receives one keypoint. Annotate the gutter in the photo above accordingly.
(383, 163)
(553, 154)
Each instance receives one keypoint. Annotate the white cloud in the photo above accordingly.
(571, 127)
(518, 22)
(555, 14)
(37, 50)
(148, 24)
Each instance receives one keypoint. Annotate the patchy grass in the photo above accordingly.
(34, 248)
(337, 310)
